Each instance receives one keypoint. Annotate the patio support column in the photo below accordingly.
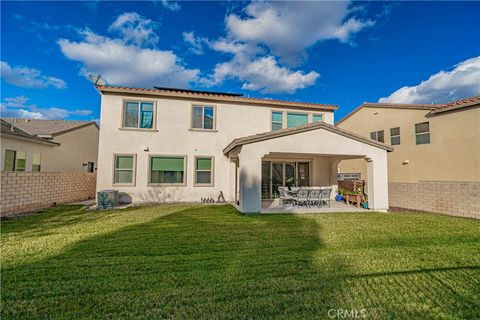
(334, 176)
(250, 178)
(377, 188)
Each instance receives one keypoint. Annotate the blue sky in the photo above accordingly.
(330, 52)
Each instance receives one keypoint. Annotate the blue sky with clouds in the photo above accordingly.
(330, 52)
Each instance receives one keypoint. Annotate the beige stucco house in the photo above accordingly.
(435, 165)
(48, 145)
(172, 145)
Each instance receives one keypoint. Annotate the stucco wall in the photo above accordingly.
(452, 155)
(456, 198)
(76, 147)
(30, 191)
(174, 137)
(318, 142)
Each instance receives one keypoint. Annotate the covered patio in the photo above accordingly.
(322, 147)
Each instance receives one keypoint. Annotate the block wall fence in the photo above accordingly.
(30, 191)
(455, 198)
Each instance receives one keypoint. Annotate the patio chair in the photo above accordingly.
(294, 189)
(314, 197)
(301, 197)
(325, 196)
(285, 197)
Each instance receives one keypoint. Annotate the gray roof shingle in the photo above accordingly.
(47, 127)
(11, 130)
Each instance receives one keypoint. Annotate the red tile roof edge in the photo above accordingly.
(226, 96)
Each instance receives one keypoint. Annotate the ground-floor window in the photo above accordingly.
(36, 162)
(90, 166)
(283, 173)
(204, 171)
(9, 163)
(21, 161)
(167, 170)
(124, 172)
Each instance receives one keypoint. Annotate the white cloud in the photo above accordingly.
(264, 75)
(287, 28)
(170, 5)
(121, 63)
(460, 82)
(136, 29)
(25, 77)
(196, 43)
(18, 107)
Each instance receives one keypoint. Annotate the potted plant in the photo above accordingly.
(365, 202)
(339, 196)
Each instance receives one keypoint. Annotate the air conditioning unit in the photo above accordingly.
(107, 199)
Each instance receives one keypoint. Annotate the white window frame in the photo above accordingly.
(318, 115)
(39, 164)
(271, 119)
(134, 169)
(17, 158)
(212, 170)
(14, 159)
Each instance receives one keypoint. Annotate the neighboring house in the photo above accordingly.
(173, 145)
(435, 164)
(48, 145)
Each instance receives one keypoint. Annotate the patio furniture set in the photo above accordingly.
(305, 196)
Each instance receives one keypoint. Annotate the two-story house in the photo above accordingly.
(173, 145)
(435, 165)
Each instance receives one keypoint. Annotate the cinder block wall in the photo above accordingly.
(29, 191)
(455, 198)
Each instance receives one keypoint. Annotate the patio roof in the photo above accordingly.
(308, 127)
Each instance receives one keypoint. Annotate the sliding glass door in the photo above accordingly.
(282, 173)
(277, 178)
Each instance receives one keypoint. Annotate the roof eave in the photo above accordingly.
(30, 139)
(309, 127)
(240, 100)
(452, 108)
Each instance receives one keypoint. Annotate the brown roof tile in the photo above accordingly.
(215, 96)
(457, 104)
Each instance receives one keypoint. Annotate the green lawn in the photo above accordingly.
(212, 262)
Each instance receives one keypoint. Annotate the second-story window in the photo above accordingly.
(317, 117)
(422, 133)
(203, 117)
(378, 135)
(138, 114)
(277, 120)
(395, 136)
(296, 119)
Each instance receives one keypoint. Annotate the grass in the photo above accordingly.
(183, 262)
